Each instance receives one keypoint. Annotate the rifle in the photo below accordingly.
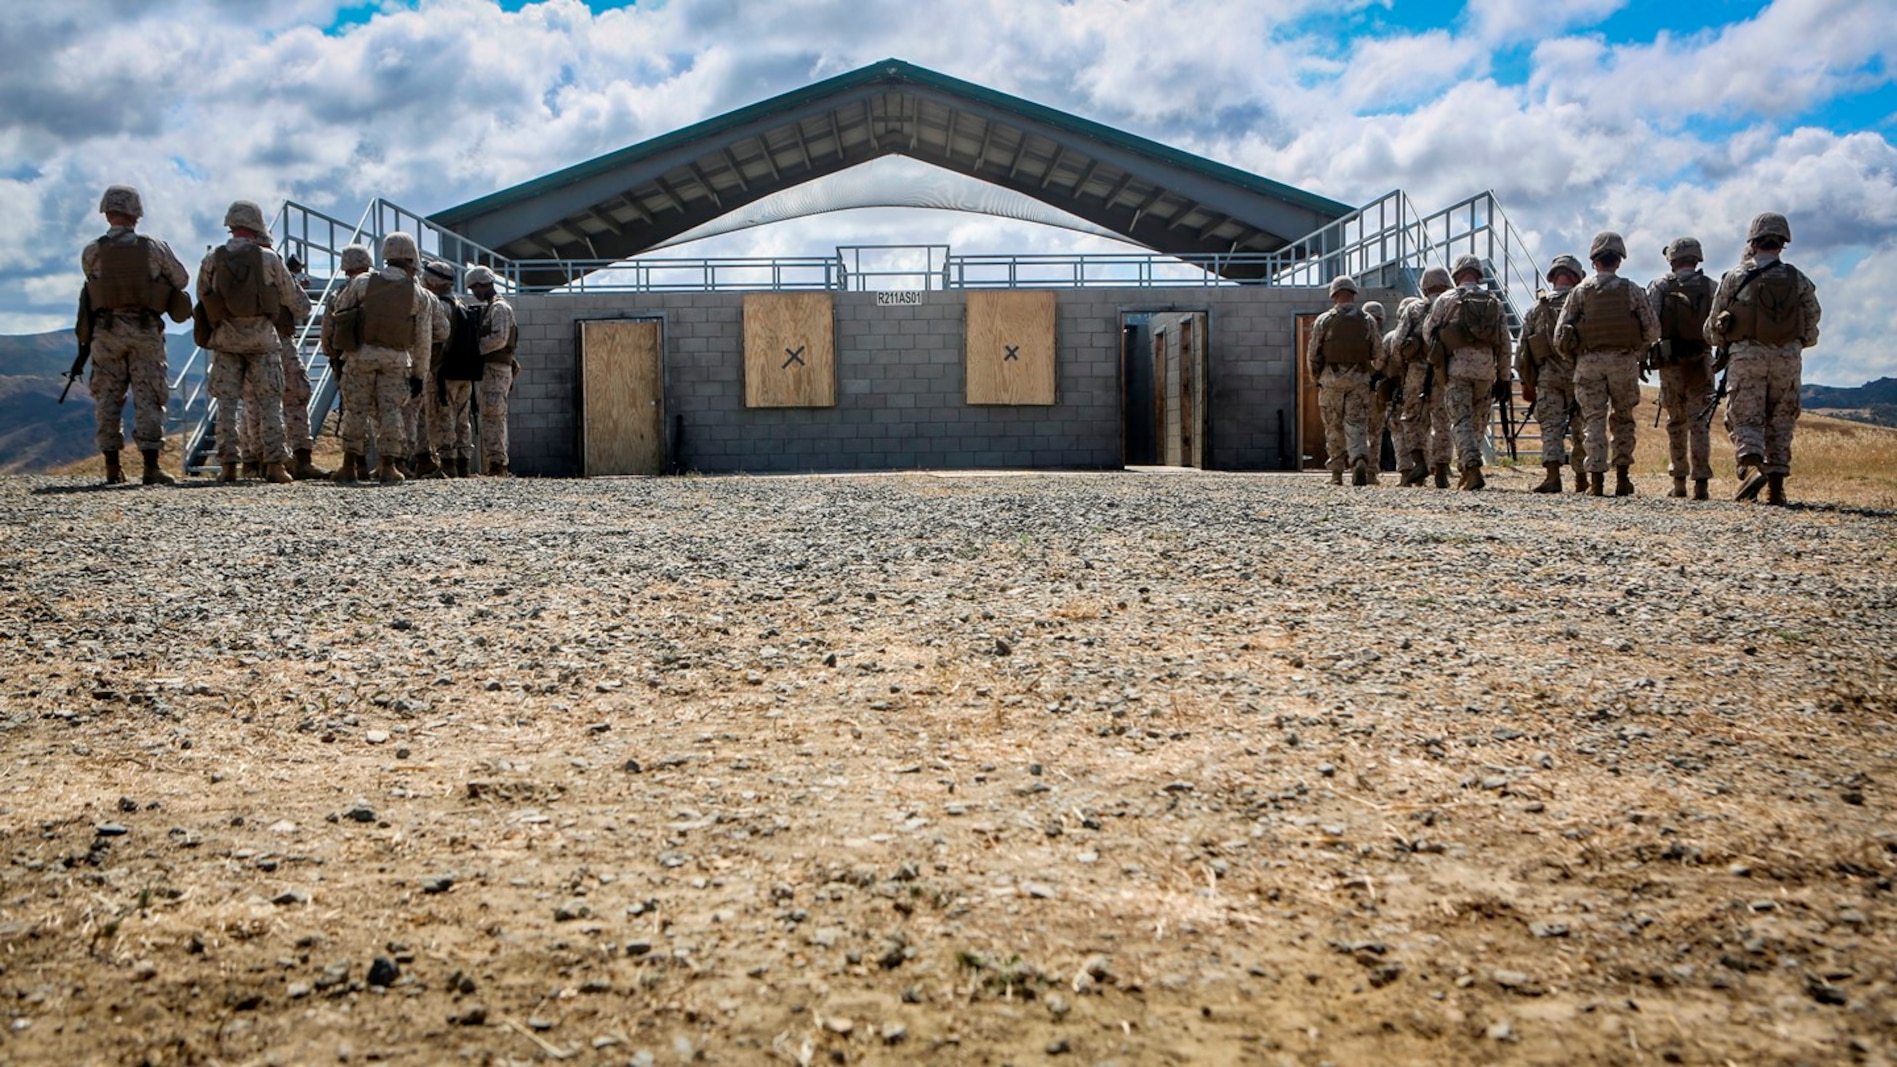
(1510, 428)
(83, 331)
(1719, 394)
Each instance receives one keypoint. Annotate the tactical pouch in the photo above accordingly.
(201, 325)
(346, 329)
(178, 306)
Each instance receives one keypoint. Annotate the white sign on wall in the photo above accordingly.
(899, 298)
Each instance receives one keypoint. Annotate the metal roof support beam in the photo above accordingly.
(1151, 199)
(672, 195)
(803, 146)
(1020, 147)
(1060, 150)
(1085, 177)
(710, 190)
(737, 171)
(948, 142)
(836, 131)
(981, 154)
(1126, 179)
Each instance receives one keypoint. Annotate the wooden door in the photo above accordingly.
(622, 398)
(1310, 418)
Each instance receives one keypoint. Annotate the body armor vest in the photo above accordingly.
(239, 288)
(1347, 340)
(1768, 311)
(125, 282)
(1477, 323)
(388, 313)
(1608, 323)
(1684, 304)
(1541, 342)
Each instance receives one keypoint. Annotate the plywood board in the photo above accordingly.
(1011, 347)
(1310, 417)
(622, 417)
(789, 351)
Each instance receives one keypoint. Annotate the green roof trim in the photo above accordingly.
(894, 72)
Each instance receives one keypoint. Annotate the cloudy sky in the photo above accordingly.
(1652, 119)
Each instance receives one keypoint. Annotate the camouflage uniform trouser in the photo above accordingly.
(1343, 398)
(128, 356)
(1685, 389)
(420, 414)
(1554, 413)
(1382, 414)
(1762, 408)
(454, 430)
(496, 383)
(374, 389)
(296, 409)
(1468, 402)
(1425, 423)
(259, 375)
(1608, 386)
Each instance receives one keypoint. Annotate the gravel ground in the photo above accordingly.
(1125, 768)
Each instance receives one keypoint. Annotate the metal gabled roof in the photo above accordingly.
(625, 202)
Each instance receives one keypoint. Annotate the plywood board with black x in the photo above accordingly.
(789, 351)
(622, 415)
(1011, 347)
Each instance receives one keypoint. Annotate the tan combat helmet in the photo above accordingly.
(356, 258)
(121, 200)
(245, 214)
(479, 276)
(1465, 262)
(438, 273)
(1607, 241)
(1770, 224)
(1374, 309)
(1683, 248)
(1343, 283)
(1569, 264)
(1436, 279)
(399, 247)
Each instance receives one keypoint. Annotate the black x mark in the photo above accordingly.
(1014, 352)
(796, 356)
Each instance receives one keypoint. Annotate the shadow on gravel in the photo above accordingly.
(1844, 509)
(133, 487)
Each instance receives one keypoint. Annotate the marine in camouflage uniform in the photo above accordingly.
(131, 280)
(296, 398)
(421, 415)
(457, 371)
(1682, 301)
(1382, 395)
(1475, 372)
(499, 337)
(1765, 314)
(1346, 348)
(1607, 326)
(240, 287)
(394, 320)
(355, 262)
(1424, 420)
(1547, 377)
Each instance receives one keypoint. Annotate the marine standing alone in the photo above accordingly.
(131, 280)
(1764, 315)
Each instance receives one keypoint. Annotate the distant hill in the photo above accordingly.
(1873, 402)
(36, 432)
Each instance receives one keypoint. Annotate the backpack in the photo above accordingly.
(1768, 311)
(1684, 307)
(1478, 320)
(461, 356)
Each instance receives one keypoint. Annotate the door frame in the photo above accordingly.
(668, 436)
(1204, 380)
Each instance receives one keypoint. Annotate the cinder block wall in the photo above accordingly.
(900, 384)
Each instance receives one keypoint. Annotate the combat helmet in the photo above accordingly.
(356, 257)
(1569, 264)
(245, 214)
(1343, 283)
(1770, 224)
(1374, 309)
(1683, 248)
(1467, 261)
(478, 275)
(122, 200)
(1436, 278)
(399, 247)
(1607, 241)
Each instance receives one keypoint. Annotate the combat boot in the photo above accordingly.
(1418, 471)
(114, 474)
(351, 469)
(1623, 485)
(1550, 482)
(248, 469)
(1775, 490)
(1360, 472)
(276, 475)
(227, 472)
(1699, 489)
(304, 470)
(498, 470)
(426, 466)
(388, 473)
(1471, 479)
(1441, 473)
(1679, 487)
(1597, 483)
(1337, 477)
(1750, 489)
(1580, 480)
(154, 476)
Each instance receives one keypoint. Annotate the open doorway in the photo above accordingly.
(1163, 388)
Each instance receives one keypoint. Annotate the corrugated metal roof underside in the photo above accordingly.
(619, 205)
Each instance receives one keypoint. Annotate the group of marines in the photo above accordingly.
(1586, 345)
(411, 356)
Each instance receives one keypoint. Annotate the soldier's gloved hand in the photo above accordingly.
(1528, 393)
(1646, 373)
(1499, 390)
(414, 388)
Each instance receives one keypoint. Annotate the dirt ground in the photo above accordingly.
(1119, 768)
